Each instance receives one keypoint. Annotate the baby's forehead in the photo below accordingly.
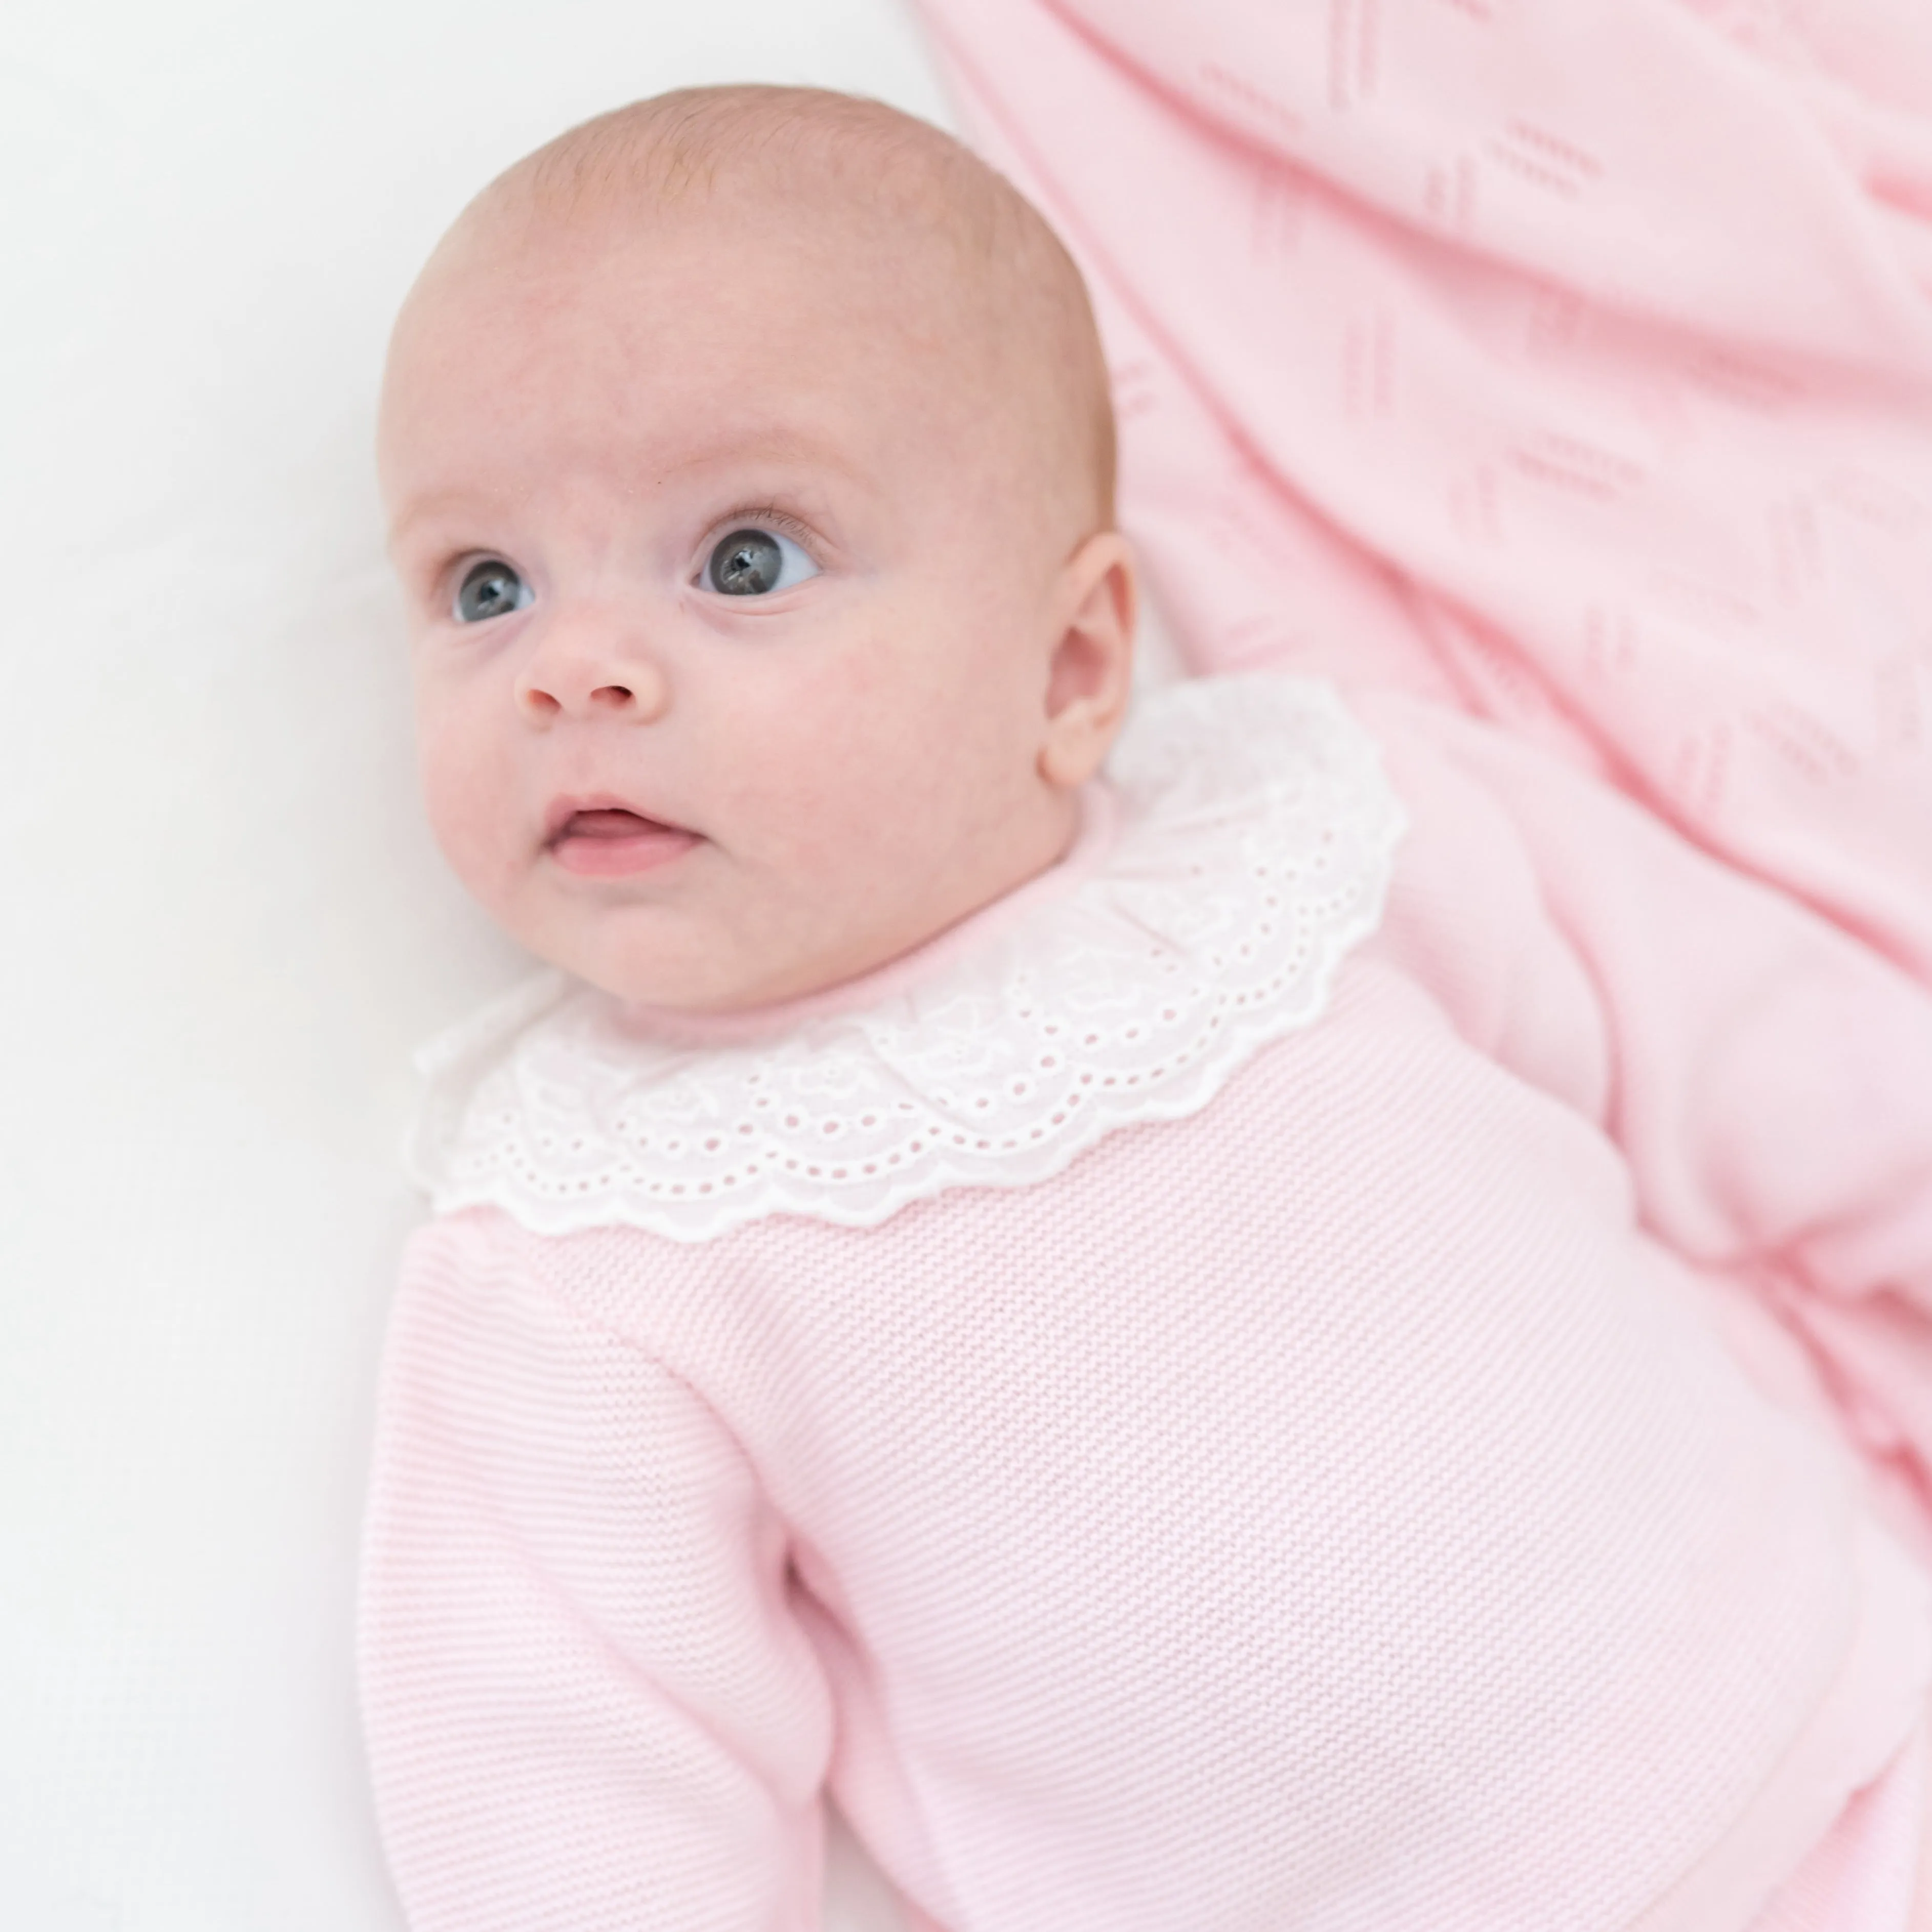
(834, 206)
(903, 223)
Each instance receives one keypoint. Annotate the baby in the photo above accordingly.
(1093, 1319)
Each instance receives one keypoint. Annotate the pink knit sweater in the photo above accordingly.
(1342, 1489)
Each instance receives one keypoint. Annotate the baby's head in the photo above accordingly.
(750, 467)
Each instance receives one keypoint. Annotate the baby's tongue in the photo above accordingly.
(610, 824)
(612, 843)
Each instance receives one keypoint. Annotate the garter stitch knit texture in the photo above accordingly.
(1334, 1508)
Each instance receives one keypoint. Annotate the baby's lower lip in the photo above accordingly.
(616, 844)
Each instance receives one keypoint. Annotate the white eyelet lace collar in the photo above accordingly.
(1255, 838)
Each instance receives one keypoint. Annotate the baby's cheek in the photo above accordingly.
(852, 781)
(464, 796)
(863, 803)
(805, 758)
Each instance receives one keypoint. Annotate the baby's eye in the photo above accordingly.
(490, 588)
(752, 563)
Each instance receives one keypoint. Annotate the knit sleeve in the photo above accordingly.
(587, 1703)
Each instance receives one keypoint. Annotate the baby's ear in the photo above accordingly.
(1090, 677)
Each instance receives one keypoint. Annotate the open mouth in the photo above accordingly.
(612, 841)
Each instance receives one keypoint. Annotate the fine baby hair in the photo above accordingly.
(1205, 1318)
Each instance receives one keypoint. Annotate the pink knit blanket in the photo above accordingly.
(1571, 362)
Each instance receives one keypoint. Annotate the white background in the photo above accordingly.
(223, 926)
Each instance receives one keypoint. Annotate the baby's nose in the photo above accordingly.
(588, 672)
(544, 704)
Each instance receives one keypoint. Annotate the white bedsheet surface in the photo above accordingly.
(223, 926)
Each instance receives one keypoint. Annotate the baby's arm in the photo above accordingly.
(587, 1701)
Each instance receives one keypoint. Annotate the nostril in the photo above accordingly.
(616, 696)
(540, 704)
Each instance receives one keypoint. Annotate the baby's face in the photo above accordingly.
(750, 654)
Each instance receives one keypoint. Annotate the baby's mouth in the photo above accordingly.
(613, 841)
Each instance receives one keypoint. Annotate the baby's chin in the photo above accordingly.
(665, 982)
(653, 966)
(663, 970)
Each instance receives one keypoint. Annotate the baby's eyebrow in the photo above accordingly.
(448, 505)
(776, 459)
(781, 449)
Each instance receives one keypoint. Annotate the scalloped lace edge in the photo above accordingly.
(1256, 846)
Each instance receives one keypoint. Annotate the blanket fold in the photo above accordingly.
(1585, 343)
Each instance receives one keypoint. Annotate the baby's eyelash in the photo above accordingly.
(440, 583)
(770, 516)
